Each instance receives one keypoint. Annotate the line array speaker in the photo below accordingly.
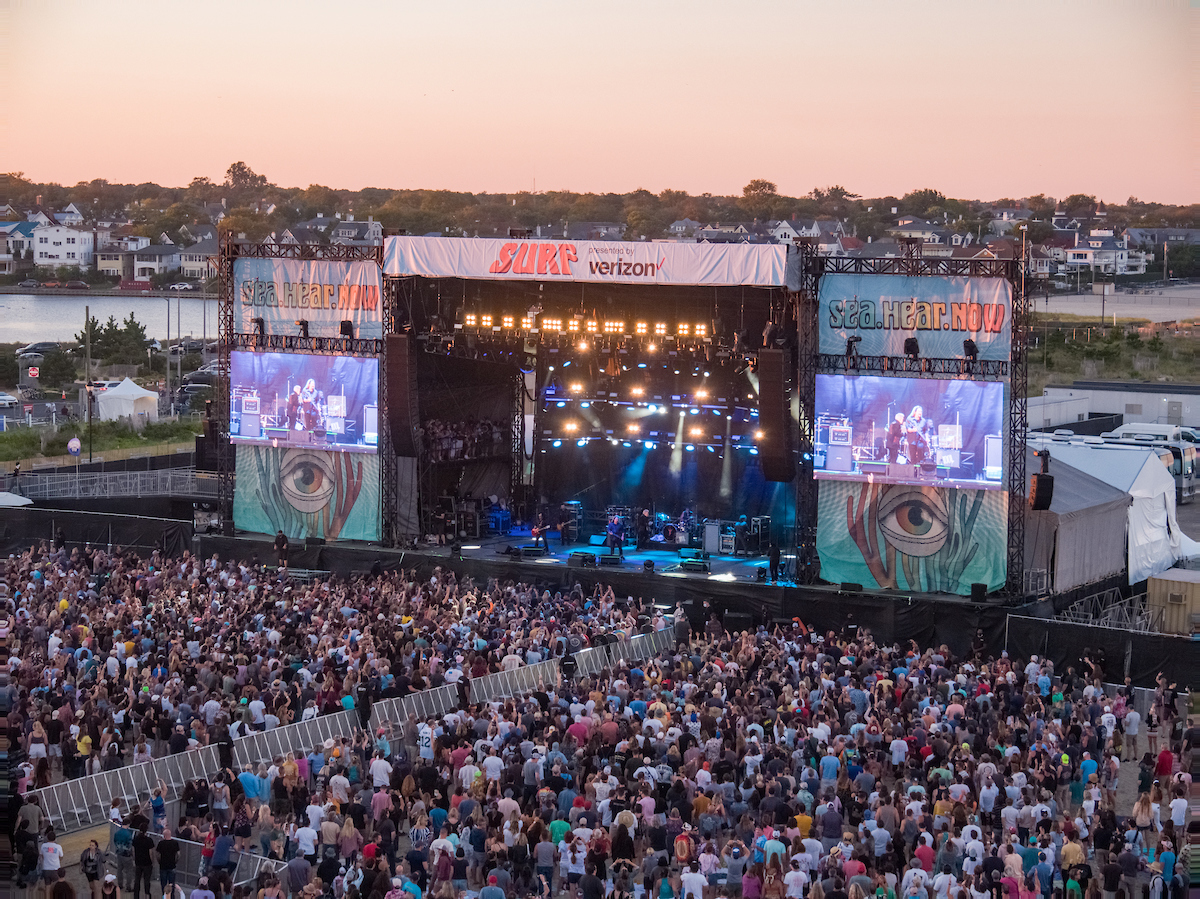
(775, 449)
(401, 373)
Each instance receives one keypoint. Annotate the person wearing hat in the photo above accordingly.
(109, 888)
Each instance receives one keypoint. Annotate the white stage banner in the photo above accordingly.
(323, 292)
(605, 261)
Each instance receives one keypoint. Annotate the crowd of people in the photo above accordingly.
(765, 764)
(451, 441)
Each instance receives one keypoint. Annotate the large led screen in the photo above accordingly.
(910, 431)
(291, 400)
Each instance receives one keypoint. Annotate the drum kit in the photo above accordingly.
(674, 530)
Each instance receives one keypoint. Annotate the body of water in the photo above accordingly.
(25, 318)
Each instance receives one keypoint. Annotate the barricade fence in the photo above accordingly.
(85, 801)
(187, 869)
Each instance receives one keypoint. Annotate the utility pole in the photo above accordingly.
(1166, 271)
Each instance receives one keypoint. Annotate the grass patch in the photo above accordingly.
(25, 443)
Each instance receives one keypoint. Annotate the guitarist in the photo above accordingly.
(539, 530)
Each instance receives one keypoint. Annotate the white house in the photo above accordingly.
(155, 259)
(358, 234)
(199, 260)
(1103, 252)
(684, 227)
(55, 245)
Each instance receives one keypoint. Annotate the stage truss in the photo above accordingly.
(811, 362)
(229, 338)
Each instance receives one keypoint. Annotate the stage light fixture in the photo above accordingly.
(683, 330)
(640, 328)
(585, 405)
(507, 321)
(470, 320)
(347, 329)
(302, 324)
(637, 391)
(970, 350)
(702, 394)
(571, 427)
(576, 387)
(696, 432)
(741, 367)
(912, 349)
(650, 444)
(591, 327)
(702, 331)
(633, 429)
(485, 321)
(260, 327)
(556, 444)
(759, 435)
(581, 442)
(650, 348)
(573, 324)
(583, 346)
(527, 323)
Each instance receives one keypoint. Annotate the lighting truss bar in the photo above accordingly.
(921, 366)
(357, 346)
(917, 265)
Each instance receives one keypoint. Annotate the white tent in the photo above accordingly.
(127, 400)
(1154, 540)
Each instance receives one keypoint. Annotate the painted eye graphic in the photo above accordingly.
(914, 519)
(307, 479)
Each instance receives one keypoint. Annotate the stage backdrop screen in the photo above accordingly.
(291, 400)
(884, 310)
(918, 431)
(322, 292)
(306, 492)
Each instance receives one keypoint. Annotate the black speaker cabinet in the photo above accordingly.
(979, 593)
(1041, 492)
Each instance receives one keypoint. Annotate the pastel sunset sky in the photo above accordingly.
(977, 99)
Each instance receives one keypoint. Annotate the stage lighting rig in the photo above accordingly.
(302, 324)
(852, 343)
(971, 350)
(912, 349)
(347, 329)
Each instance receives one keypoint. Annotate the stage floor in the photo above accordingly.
(667, 559)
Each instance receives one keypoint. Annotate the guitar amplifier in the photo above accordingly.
(840, 458)
(250, 424)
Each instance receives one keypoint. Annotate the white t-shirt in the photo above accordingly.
(795, 881)
(1132, 722)
(425, 741)
(1179, 807)
(493, 765)
(306, 841)
(52, 856)
(693, 884)
(381, 773)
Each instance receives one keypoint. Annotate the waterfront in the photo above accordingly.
(44, 315)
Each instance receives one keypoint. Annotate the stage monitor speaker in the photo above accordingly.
(579, 559)
(775, 450)
(597, 539)
(611, 558)
(532, 552)
(850, 588)
(761, 575)
(401, 374)
(694, 565)
(979, 593)
(1041, 492)
(648, 566)
(738, 621)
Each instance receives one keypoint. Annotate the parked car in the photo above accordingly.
(208, 378)
(52, 283)
(182, 285)
(41, 346)
(187, 347)
(27, 359)
(30, 284)
(8, 401)
(78, 285)
(98, 386)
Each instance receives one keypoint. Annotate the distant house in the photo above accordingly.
(156, 259)
(18, 241)
(788, 230)
(1152, 238)
(594, 230)
(356, 234)
(684, 227)
(1041, 264)
(199, 261)
(193, 234)
(308, 237)
(1102, 251)
(56, 245)
(215, 211)
(115, 261)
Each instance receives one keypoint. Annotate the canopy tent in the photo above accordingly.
(1154, 540)
(12, 500)
(1081, 537)
(127, 400)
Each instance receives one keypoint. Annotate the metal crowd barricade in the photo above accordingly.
(301, 737)
(592, 661)
(187, 868)
(84, 802)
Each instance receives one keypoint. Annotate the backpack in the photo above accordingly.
(123, 842)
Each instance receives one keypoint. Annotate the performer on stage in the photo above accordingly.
(293, 409)
(539, 530)
(643, 529)
(918, 429)
(895, 438)
(615, 539)
(308, 404)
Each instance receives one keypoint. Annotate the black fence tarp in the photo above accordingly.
(21, 527)
(1064, 643)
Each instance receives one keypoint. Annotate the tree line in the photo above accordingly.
(255, 206)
